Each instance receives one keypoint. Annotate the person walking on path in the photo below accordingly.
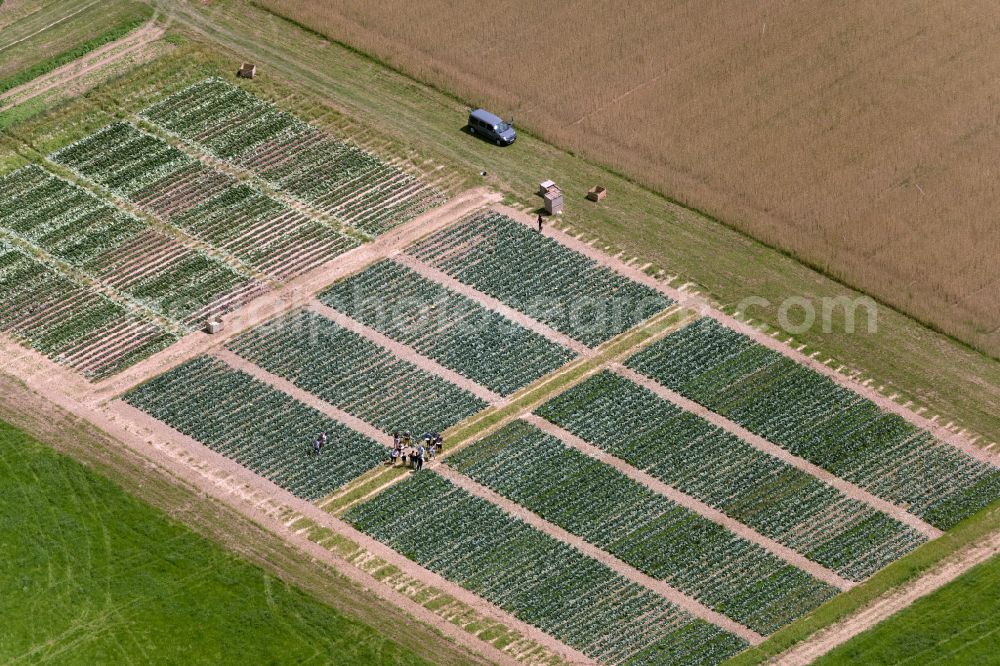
(419, 458)
(540, 223)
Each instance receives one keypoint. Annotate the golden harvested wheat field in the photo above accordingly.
(862, 137)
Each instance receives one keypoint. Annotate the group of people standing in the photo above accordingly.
(414, 453)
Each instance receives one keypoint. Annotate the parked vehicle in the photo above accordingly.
(491, 127)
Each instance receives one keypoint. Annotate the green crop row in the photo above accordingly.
(652, 533)
(540, 277)
(323, 171)
(68, 322)
(257, 426)
(687, 452)
(353, 373)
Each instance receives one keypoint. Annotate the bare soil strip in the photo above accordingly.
(293, 294)
(890, 603)
(958, 440)
(408, 353)
(744, 531)
(671, 594)
(96, 59)
(846, 487)
(492, 303)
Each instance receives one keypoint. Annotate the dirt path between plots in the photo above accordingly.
(694, 504)
(491, 303)
(957, 439)
(293, 294)
(409, 354)
(96, 59)
(671, 594)
(851, 490)
(629, 572)
(889, 604)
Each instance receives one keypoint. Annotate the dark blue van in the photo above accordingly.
(491, 127)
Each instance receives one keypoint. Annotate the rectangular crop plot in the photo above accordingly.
(355, 374)
(261, 428)
(535, 577)
(455, 331)
(815, 418)
(687, 452)
(118, 250)
(540, 277)
(256, 229)
(665, 540)
(68, 322)
(329, 174)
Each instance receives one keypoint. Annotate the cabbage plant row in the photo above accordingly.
(641, 527)
(355, 374)
(810, 415)
(456, 331)
(327, 173)
(117, 250)
(259, 427)
(70, 323)
(755, 488)
(537, 275)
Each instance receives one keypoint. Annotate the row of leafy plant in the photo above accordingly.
(540, 580)
(540, 277)
(812, 416)
(643, 528)
(73, 225)
(355, 374)
(325, 172)
(68, 322)
(123, 158)
(259, 427)
(456, 331)
(691, 454)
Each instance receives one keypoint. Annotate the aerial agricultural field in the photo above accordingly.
(37, 37)
(802, 125)
(256, 301)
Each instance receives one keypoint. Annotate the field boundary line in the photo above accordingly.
(407, 353)
(890, 603)
(491, 303)
(671, 594)
(293, 294)
(696, 302)
(704, 510)
(850, 489)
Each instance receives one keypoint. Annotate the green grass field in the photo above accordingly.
(958, 624)
(89, 574)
